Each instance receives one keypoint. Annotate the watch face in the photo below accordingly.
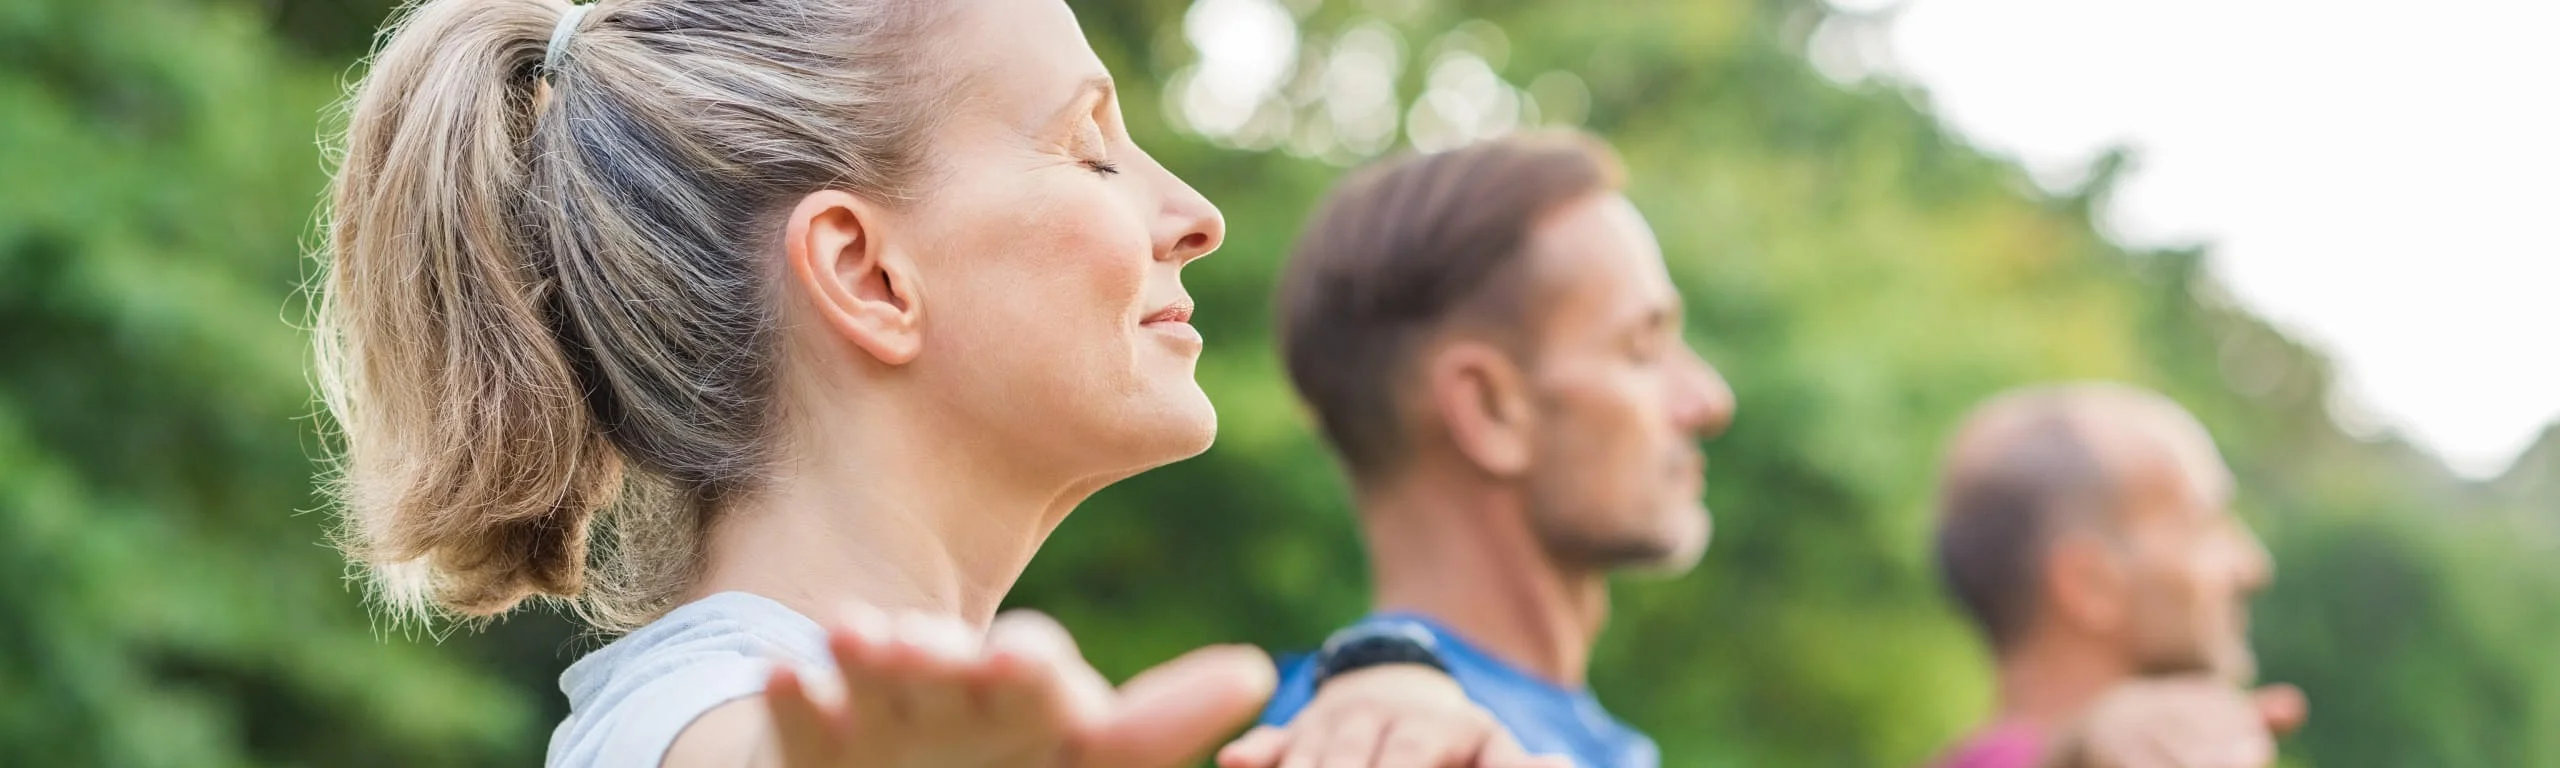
(1388, 631)
(1378, 644)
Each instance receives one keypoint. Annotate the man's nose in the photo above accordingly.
(1704, 404)
(2257, 565)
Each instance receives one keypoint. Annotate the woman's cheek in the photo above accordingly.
(1109, 246)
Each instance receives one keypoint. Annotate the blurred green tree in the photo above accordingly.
(167, 604)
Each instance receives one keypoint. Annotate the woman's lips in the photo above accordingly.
(1174, 323)
(1179, 312)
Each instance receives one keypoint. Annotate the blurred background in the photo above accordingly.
(2312, 223)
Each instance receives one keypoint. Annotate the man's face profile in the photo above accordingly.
(2193, 564)
(1617, 477)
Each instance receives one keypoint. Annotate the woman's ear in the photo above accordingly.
(1482, 398)
(868, 293)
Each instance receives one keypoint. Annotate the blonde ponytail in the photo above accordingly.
(526, 308)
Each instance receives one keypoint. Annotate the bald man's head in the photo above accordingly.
(2125, 471)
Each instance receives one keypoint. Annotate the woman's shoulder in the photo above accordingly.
(629, 699)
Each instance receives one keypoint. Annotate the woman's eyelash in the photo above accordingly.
(1104, 167)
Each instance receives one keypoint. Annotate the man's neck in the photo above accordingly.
(1465, 555)
(2046, 683)
(889, 517)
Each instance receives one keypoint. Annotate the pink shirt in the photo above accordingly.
(2003, 745)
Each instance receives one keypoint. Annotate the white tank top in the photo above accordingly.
(629, 699)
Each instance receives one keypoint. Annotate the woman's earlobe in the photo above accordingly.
(866, 292)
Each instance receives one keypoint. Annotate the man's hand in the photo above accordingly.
(922, 691)
(2190, 722)
(1396, 716)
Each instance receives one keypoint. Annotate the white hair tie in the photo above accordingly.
(560, 38)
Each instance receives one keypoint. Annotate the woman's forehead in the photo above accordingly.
(1022, 60)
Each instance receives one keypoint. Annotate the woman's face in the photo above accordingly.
(1050, 251)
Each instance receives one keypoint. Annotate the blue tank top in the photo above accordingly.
(1548, 719)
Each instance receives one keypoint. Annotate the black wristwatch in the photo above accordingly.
(1377, 643)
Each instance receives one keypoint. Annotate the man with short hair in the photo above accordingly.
(1491, 342)
(2086, 529)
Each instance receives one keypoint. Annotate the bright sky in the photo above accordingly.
(2380, 179)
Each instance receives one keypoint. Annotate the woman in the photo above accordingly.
(706, 318)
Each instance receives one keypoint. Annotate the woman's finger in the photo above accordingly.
(1307, 738)
(1502, 751)
(861, 645)
(2221, 750)
(1258, 748)
(1180, 710)
(1409, 744)
(2282, 707)
(2156, 748)
(1352, 742)
(1028, 684)
(932, 668)
(800, 723)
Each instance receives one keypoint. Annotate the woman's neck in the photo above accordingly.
(894, 514)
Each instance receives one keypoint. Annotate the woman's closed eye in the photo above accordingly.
(1092, 149)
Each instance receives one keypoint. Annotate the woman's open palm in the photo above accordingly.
(925, 691)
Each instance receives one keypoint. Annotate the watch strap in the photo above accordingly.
(1374, 644)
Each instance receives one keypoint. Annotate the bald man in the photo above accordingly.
(2086, 529)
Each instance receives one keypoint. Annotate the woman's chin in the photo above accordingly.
(1192, 422)
(1179, 424)
(1144, 430)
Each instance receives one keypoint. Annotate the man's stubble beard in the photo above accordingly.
(1567, 533)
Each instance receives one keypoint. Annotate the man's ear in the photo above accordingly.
(867, 293)
(2084, 581)
(1483, 399)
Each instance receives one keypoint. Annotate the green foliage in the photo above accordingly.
(1859, 275)
(167, 604)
